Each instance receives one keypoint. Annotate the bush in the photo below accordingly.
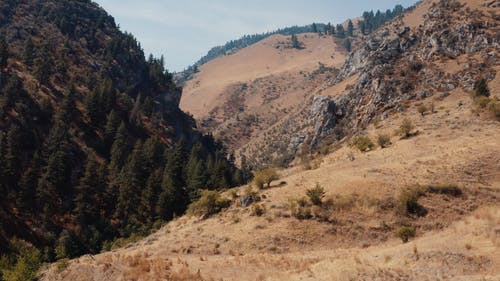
(299, 209)
(494, 107)
(258, 210)
(25, 266)
(407, 201)
(363, 143)
(406, 128)
(481, 88)
(210, 203)
(422, 109)
(405, 233)
(383, 140)
(265, 176)
(316, 194)
(445, 188)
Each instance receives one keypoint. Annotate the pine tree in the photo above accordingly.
(28, 51)
(173, 198)
(94, 109)
(68, 111)
(133, 180)
(195, 172)
(4, 53)
(87, 193)
(112, 123)
(12, 158)
(44, 65)
(347, 44)
(314, 28)
(295, 42)
(119, 149)
(340, 31)
(149, 197)
(350, 28)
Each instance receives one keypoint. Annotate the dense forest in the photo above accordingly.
(93, 146)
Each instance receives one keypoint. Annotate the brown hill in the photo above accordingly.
(440, 180)
(268, 79)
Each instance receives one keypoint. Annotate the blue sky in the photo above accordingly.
(184, 30)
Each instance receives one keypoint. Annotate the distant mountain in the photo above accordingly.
(370, 21)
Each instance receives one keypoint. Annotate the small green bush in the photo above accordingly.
(383, 140)
(265, 176)
(363, 143)
(210, 203)
(405, 233)
(316, 194)
(25, 265)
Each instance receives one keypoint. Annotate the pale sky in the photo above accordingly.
(184, 30)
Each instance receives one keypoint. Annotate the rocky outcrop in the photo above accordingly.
(324, 115)
(394, 65)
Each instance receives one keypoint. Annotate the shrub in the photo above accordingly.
(316, 194)
(406, 128)
(210, 203)
(299, 209)
(445, 188)
(265, 176)
(407, 201)
(494, 107)
(383, 140)
(257, 210)
(27, 263)
(482, 102)
(481, 88)
(405, 233)
(363, 143)
(422, 109)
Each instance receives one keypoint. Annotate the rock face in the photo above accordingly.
(324, 115)
(393, 65)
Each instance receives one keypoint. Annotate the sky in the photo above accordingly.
(184, 30)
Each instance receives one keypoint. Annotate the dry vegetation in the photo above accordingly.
(435, 187)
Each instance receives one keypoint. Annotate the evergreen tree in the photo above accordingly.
(295, 42)
(195, 172)
(350, 28)
(68, 111)
(28, 51)
(44, 65)
(340, 31)
(347, 44)
(4, 53)
(88, 191)
(94, 109)
(314, 28)
(112, 123)
(12, 158)
(133, 180)
(173, 198)
(149, 197)
(119, 149)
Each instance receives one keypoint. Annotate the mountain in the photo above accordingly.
(247, 93)
(93, 145)
(393, 167)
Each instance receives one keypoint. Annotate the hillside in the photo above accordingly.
(265, 81)
(93, 145)
(424, 206)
